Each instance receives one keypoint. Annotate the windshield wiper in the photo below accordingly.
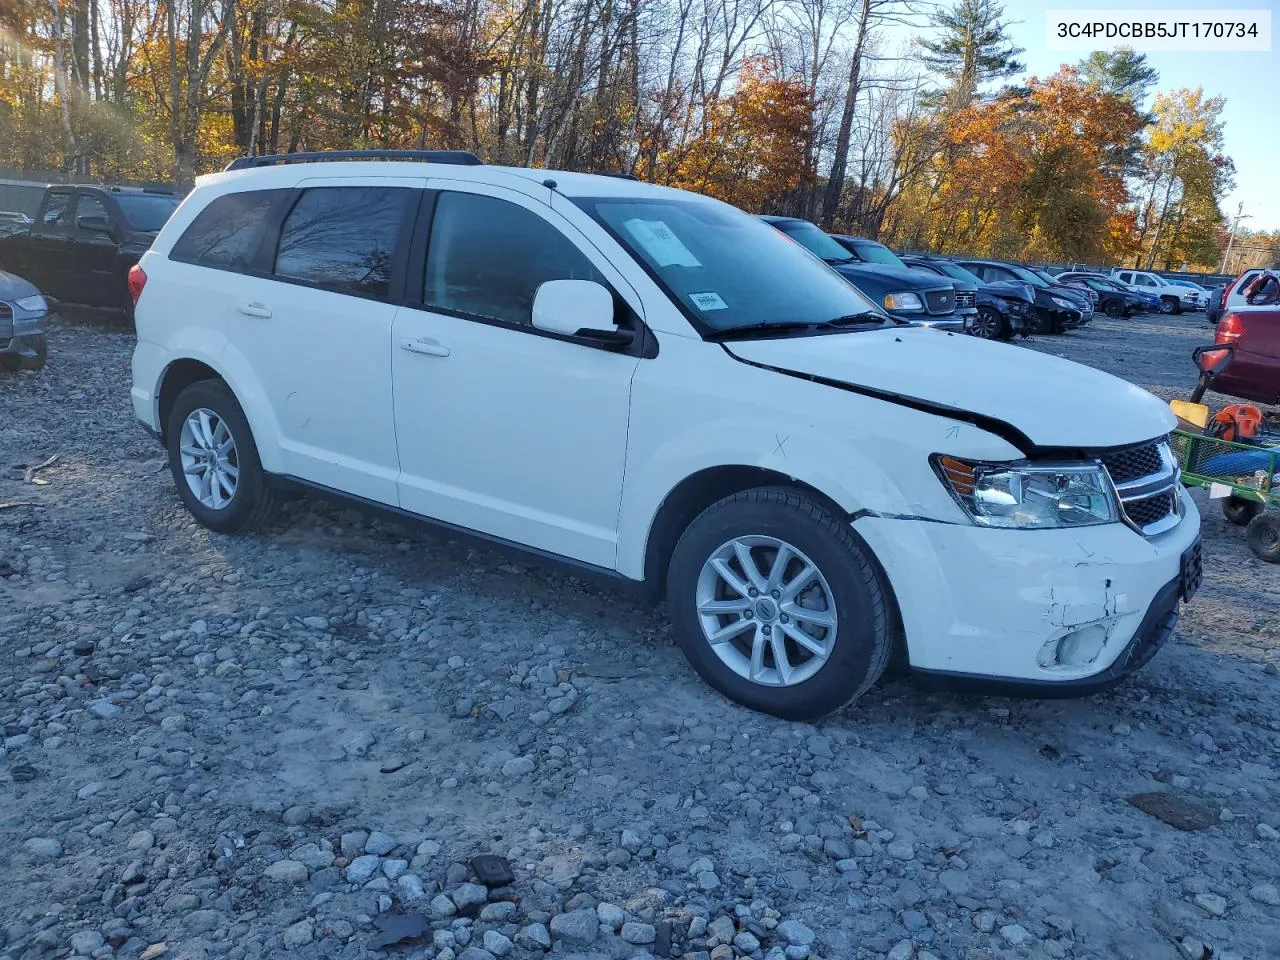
(761, 327)
(866, 317)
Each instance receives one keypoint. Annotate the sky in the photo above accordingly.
(1250, 83)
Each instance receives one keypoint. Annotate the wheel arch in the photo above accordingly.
(175, 378)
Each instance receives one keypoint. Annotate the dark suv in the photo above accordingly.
(1058, 308)
(907, 294)
(1005, 309)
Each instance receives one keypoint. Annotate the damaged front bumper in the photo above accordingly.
(1047, 612)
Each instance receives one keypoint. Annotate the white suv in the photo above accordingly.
(1174, 297)
(655, 386)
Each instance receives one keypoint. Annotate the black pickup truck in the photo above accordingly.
(85, 239)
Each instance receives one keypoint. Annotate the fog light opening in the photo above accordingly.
(1078, 647)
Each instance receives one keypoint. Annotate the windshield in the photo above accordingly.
(955, 271)
(1022, 273)
(814, 240)
(723, 268)
(147, 211)
(873, 252)
(1045, 276)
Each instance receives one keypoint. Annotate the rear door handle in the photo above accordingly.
(254, 310)
(427, 346)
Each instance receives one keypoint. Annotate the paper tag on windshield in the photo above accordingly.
(708, 301)
(657, 240)
(1219, 490)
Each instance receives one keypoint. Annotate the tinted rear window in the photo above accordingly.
(227, 232)
(147, 211)
(345, 238)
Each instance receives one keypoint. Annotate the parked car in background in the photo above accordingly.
(1005, 310)
(1058, 308)
(1252, 325)
(1217, 302)
(1114, 299)
(907, 294)
(699, 408)
(1089, 295)
(85, 239)
(1203, 295)
(1235, 292)
(1173, 298)
(874, 253)
(22, 315)
(12, 221)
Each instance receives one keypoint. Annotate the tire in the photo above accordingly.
(40, 344)
(1169, 306)
(990, 325)
(35, 360)
(847, 583)
(252, 501)
(1240, 511)
(1115, 309)
(1263, 535)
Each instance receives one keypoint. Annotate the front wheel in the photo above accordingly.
(778, 605)
(1263, 534)
(988, 325)
(1169, 305)
(214, 460)
(1115, 309)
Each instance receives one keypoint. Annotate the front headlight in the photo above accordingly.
(1065, 304)
(1029, 496)
(905, 300)
(34, 304)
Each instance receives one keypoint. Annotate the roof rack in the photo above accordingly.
(620, 176)
(459, 157)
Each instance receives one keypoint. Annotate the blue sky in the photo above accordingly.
(1250, 82)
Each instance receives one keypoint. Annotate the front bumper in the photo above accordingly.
(18, 332)
(981, 604)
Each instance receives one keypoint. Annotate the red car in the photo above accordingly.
(1251, 321)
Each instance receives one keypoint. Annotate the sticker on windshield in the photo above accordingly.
(708, 301)
(660, 243)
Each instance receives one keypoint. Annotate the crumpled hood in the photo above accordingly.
(1053, 402)
(15, 288)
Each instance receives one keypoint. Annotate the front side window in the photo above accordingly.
(725, 269)
(344, 238)
(956, 272)
(91, 209)
(873, 252)
(55, 212)
(225, 234)
(487, 257)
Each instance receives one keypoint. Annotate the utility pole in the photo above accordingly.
(1240, 215)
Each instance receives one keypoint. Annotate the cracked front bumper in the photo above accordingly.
(981, 604)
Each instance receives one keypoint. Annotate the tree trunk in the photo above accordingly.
(62, 88)
(835, 179)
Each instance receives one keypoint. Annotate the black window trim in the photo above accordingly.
(645, 344)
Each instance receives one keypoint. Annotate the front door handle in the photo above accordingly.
(427, 346)
(254, 310)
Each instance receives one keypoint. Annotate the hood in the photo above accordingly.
(909, 279)
(1053, 402)
(1016, 289)
(15, 288)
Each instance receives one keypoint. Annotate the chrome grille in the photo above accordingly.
(940, 301)
(1146, 479)
(966, 298)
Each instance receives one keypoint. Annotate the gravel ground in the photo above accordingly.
(289, 744)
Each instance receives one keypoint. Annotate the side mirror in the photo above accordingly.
(578, 308)
(94, 224)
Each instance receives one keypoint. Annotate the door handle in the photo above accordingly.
(254, 310)
(426, 346)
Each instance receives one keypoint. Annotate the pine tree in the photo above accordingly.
(973, 49)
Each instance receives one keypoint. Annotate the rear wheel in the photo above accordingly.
(778, 605)
(1263, 535)
(1240, 511)
(989, 325)
(214, 460)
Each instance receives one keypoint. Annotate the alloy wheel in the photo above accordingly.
(987, 324)
(766, 610)
(210, 461)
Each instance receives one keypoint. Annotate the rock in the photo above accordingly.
(316, 623)
(103, 709)
(473, 953)
(1193, 949)
(173, 723)
(902, 850)
(1211, 904)
(311, 855)
(918, 793)
(499, 912)
(1267, 832)
(497, 944)
(394, 868)
(536, 935)
(796, 933)
(610, 916)
(361, 869)
(744, 942)
(469, 897)
(410, 888)
(86, 941)
(442, 906)
(352, 844)
(1015, 934)
(358, 744)
(577, 926)
(43, 848)
(379, 844)
(287, 871)
(955, 882)
(299, 935)
(517, 767)
(296, 816)
(902, 950)
(141, 841)
(641, 933)
(723, 929)
(984, 921)
(1266, 893)
(202, 921)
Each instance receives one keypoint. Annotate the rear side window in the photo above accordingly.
(345, 238)
(487, 258)
(226, 233)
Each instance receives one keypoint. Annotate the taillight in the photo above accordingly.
(1230, 329)
(137, 280)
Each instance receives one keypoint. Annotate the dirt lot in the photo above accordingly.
(265, 746)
